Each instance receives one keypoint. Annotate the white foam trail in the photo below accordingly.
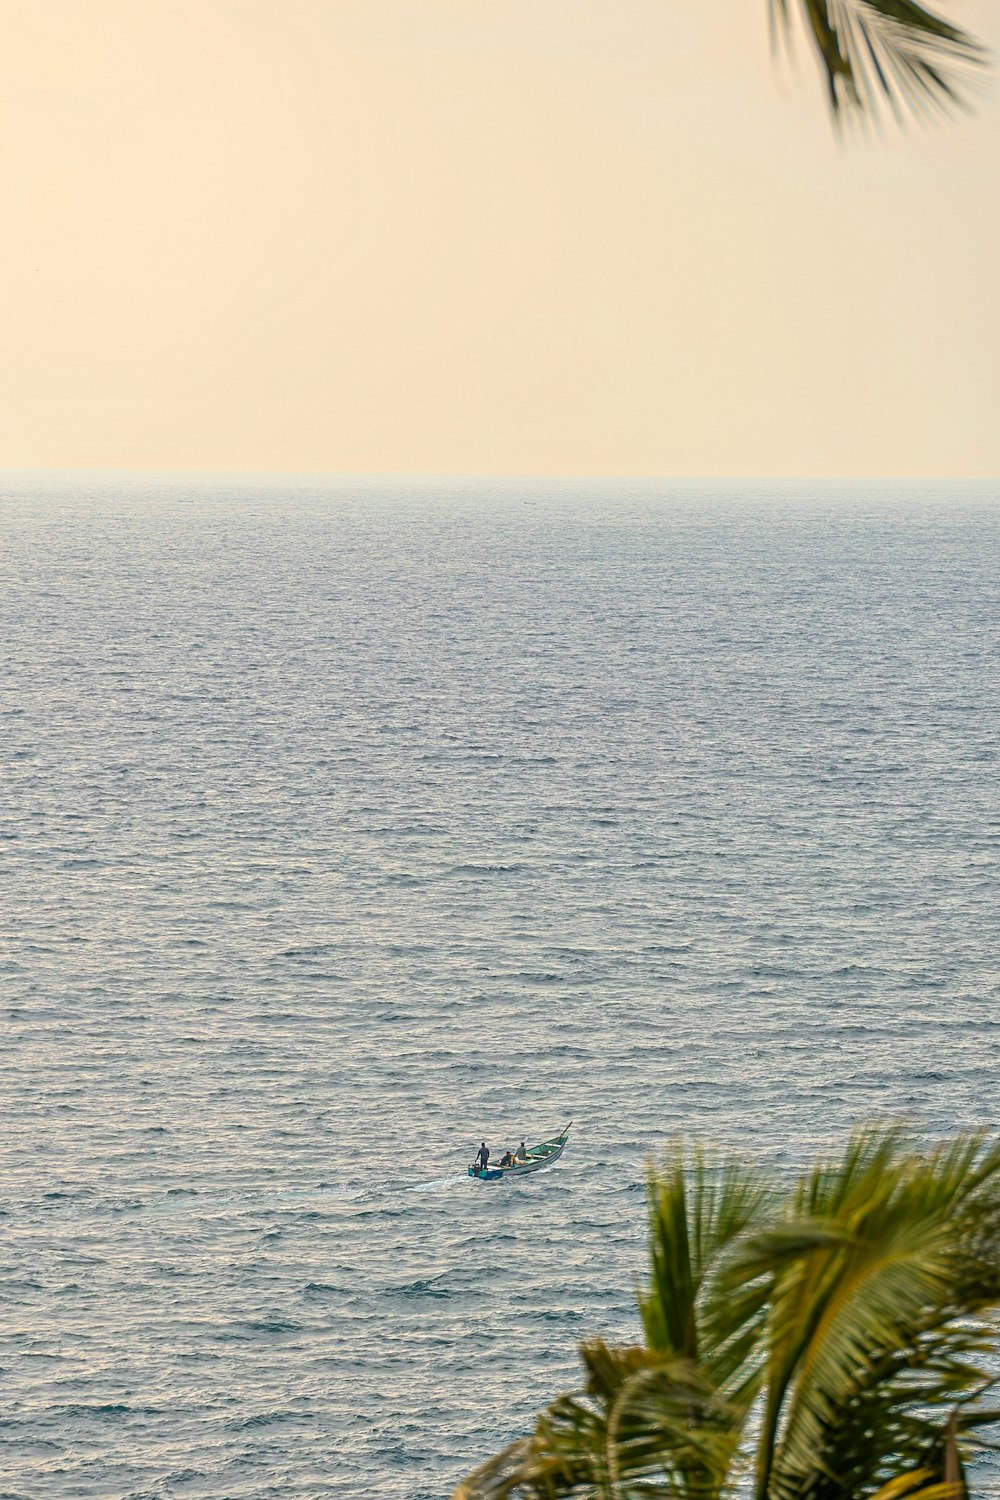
(438, 1185)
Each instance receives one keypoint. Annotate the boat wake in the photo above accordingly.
(439, 1185)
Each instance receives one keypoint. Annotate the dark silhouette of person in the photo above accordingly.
(522, 1152)
(483, 1157)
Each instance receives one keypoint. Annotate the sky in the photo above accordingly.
(578, 237)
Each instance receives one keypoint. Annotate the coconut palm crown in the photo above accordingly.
(822, 1343)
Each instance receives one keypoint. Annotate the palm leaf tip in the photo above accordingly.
(892, 52)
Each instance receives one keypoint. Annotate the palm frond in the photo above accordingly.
(867, 1324)
(860, 1306)
(892, 52)
(918, 1484)
(702, 1207)
(645, 1423)
(493, 1479)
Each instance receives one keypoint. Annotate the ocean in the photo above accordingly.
(346, 823)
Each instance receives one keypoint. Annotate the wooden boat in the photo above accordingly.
(542, 1155)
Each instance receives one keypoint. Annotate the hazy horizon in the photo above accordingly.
(66, 472)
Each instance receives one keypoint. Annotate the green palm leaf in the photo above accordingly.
(858, 1307)
(891, 51)
(646, 1424)
(865, 1321)
(702, 1207)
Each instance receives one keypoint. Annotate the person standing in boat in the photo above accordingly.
(522, 1152)
(483, 1158)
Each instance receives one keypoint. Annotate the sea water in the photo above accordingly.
(345, 824)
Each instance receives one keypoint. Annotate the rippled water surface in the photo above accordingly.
(344, 824)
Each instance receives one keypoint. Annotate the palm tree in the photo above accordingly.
(821, 1344)
(894, 52)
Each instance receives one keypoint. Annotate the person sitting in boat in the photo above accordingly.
(507, 1159)
(483, 1157)
(522, 1152)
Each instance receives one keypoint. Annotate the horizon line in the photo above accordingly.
(479, 476)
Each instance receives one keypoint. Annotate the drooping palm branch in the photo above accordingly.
(826, 1344)
(892, 52)
(872, 1328)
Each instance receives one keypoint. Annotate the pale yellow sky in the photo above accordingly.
(480, 236)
